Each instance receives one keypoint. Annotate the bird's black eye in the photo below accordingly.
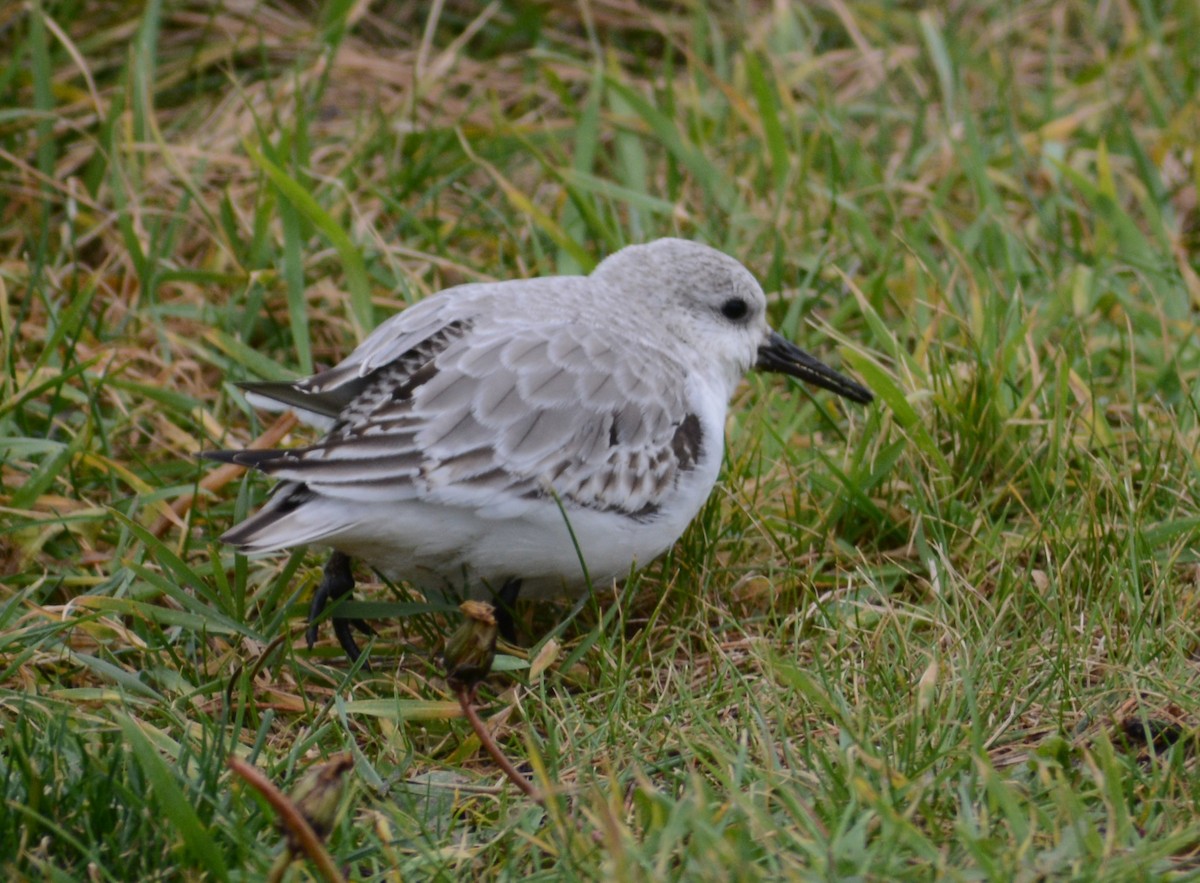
(735, 309)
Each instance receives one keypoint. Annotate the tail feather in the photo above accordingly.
(285, 521)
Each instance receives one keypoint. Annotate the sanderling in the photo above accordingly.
(530, 436)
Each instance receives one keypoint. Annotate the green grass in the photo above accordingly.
(919, 640)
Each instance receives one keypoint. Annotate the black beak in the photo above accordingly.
(781, 355)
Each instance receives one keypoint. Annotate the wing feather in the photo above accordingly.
(487, 414)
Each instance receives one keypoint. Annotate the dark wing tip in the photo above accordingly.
(297, 394)
(251, 459)
(219, 456)
(268, 387)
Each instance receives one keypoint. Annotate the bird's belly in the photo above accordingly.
(448, 550)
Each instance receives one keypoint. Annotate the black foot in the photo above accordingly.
(506, 602)
(337, 582)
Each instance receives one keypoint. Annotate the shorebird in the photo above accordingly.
(526, 436)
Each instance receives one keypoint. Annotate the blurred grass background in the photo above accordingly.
(953, 635)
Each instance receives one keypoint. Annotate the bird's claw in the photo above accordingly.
(505, 602)
(337, 582)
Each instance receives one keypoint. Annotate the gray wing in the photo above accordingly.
(488, 417)
(403, 343)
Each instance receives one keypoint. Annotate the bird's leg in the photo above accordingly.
(505, 602)
(337, 582)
